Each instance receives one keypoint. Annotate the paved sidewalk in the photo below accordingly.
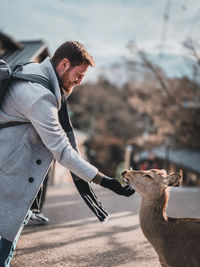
(74, 237)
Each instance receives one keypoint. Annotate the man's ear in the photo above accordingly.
(172, 179)
(63, 66)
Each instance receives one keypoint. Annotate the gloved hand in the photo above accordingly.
(115, 186)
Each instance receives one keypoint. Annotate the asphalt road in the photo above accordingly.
(74, 237)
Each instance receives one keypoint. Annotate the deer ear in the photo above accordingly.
(172, 179)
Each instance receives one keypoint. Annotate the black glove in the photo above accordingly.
(115, 186)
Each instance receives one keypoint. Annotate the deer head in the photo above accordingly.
(150, 184)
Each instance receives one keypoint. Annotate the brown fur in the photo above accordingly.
(176, 240)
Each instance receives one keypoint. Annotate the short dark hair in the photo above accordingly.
(75, 52)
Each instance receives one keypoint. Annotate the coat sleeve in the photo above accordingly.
(40, 108)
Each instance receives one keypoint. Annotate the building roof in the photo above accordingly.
(185, 158)
(29, 51)
(20, 52)
(9, 42)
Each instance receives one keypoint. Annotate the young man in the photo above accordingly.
(28, 149)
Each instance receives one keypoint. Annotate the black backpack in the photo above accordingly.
(8, 74)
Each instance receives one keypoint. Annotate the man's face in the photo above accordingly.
(73, 76)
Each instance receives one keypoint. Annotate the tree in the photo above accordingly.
(173, 104)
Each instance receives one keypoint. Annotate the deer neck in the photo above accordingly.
(153, 216)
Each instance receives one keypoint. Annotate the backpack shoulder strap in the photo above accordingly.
(33, 78)
(12, 123)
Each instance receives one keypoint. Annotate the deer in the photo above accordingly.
(175, 240)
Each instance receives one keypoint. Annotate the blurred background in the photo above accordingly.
(140, 106)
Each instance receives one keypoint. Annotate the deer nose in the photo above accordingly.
(123, 173)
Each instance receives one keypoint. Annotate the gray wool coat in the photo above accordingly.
(27, 150)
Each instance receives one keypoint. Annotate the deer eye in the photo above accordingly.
(148, 176)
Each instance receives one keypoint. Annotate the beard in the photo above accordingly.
(66, 84)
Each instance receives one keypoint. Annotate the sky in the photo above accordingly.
(105, 27)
